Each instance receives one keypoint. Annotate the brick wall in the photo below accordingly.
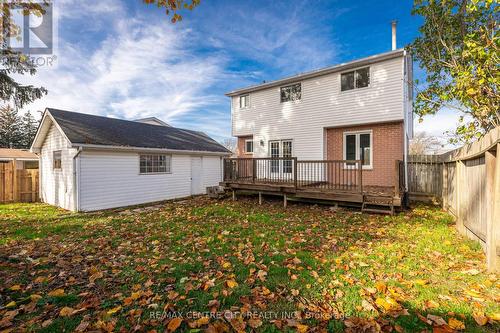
(387, 148)
(240, 148)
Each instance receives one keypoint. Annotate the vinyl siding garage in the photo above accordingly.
(90, 163)
(112, 179)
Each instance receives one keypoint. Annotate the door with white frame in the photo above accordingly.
(196, 175)
(281, 169)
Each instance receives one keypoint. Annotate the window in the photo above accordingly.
(360, 78)
(286, 147)
(248, 146)
(358, 146)
(57, 159)
(291, 93)
(155, 163)
(275, 152)
(244, 101)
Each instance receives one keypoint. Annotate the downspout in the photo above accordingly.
(76, 190)
(405, 96)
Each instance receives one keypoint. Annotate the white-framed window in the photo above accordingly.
(359, 146)
(291, 93)
(359, 78)
(57, 159)
(244, 101)
(155, 164)
(281, 148)
(249, 146)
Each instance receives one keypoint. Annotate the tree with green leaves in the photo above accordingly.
(174, 6)
(458, 47)
(29, 126)
(15, 63)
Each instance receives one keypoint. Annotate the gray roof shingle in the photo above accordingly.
(81, 128)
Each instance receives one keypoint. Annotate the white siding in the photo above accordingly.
(57, 185)
(112, 179)
(322, 105)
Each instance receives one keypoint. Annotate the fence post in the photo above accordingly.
(444, 188)
(15, 189)
(458, 179)
(492, 161)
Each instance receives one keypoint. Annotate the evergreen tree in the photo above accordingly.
(29, 128)
(10, 128)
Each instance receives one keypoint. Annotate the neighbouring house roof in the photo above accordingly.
(89, 130)
(7, 154)
(152, 121)
(319, 72)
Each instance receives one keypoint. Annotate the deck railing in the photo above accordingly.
(319, 174)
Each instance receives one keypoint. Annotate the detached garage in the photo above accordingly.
(90, 162)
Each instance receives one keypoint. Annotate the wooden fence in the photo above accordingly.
(467, 183)
(18, 185)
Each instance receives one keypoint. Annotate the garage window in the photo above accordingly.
(57, 159)
(155, 164)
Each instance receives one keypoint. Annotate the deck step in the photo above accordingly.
(378, 205)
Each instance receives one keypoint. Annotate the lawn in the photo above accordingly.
(225, 266)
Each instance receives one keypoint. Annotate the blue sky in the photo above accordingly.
(125, 59)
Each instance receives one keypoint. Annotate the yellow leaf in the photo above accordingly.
(15, 287)
(495, 316)
(381, 286)
(480, 318)
(231, 283)
(388, 304)
(135, 295)
(456, 324)
(114, 310)
(35, 297)
(11, 304)
(174, 324)
(226, 265)
(66, 311)
(56, 293)
(421, 282)
(302, 328)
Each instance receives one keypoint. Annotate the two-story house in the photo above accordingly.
(360, 110)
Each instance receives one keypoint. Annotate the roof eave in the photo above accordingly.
(319, 72)
(146, 149)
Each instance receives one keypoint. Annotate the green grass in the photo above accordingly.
(239, 256)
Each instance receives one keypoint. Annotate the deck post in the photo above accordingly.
(396, 179)
(234, 195)
(295, 172)
(260, 198)
(254, 168)
(360, 171)
(284, 200)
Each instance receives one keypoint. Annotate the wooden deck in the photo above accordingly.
(337, 181)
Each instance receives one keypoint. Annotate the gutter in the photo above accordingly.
(76, 181)
(157, 150)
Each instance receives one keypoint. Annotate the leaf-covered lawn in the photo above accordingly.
(237, 266)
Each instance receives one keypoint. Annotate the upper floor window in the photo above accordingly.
(248, 146)
(244, 101)
(57, 157)
(291, 93)
(360, 78)
(154, 164)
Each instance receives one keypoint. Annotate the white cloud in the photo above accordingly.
(140, 68)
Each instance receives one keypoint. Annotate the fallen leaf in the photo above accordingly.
(480, 318)
(11, 304)
(56, 293)
(254, 322)
(114, 310)
(66, 311)
(456, 324)
(174, 324)
(15, 287)
(231, 283)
